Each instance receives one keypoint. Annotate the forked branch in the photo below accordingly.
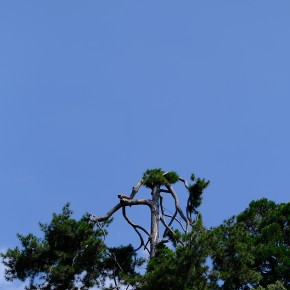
(177, 206)
(172, 218)
(136, 227)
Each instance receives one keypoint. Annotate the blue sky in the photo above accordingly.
(93, 93)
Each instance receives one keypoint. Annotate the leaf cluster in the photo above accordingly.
(277, 286)
(195, 193)
(157, 177)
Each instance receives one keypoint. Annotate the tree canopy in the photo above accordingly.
(70, 255)
(256, 243)
(247, 251)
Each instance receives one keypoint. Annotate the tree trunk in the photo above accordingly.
(154, 238)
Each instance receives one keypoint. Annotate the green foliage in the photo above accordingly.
(277, 286)
(256, 244)
(232, 253)
(174, 236)
(195, 194)
(157, 177)
(181, 268)
(122, 259)
(248, 251)
(121, 263)
(269, 226)
(171, 177)
(70, 252)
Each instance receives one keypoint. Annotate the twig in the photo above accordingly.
(99, 226)
(184, 181)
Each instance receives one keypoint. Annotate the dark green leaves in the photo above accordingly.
(256, 244)
(157, 177)
(195, 194)
(70, 250)
(183, 267)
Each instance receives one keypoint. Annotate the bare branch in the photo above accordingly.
(123, 202)
(163, 214)
(177, 206)
(169, 230)
(136, 227)
(166, 226)
(184, 181)
(175, 219)
(99, 226)
(136, 188)
(164, 190)
(94, 218)
(122, 196)
(139, 201)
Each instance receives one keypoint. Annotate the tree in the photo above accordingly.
(247, 251)
(71, 255)
(160, 182)
(165, 263)
(256, 244)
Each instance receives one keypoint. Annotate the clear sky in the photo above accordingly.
(93, 93)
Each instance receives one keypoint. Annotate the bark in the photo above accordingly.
(154, 238)
(136, 188)
(123, 202)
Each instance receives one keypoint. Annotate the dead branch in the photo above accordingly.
(164, 190)
(169, 230)
(136, 188)
(173, 218)
(136, 227)
(166, 226)
(184, 181)
(123, 202)
(101, 229)
(177, 206)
